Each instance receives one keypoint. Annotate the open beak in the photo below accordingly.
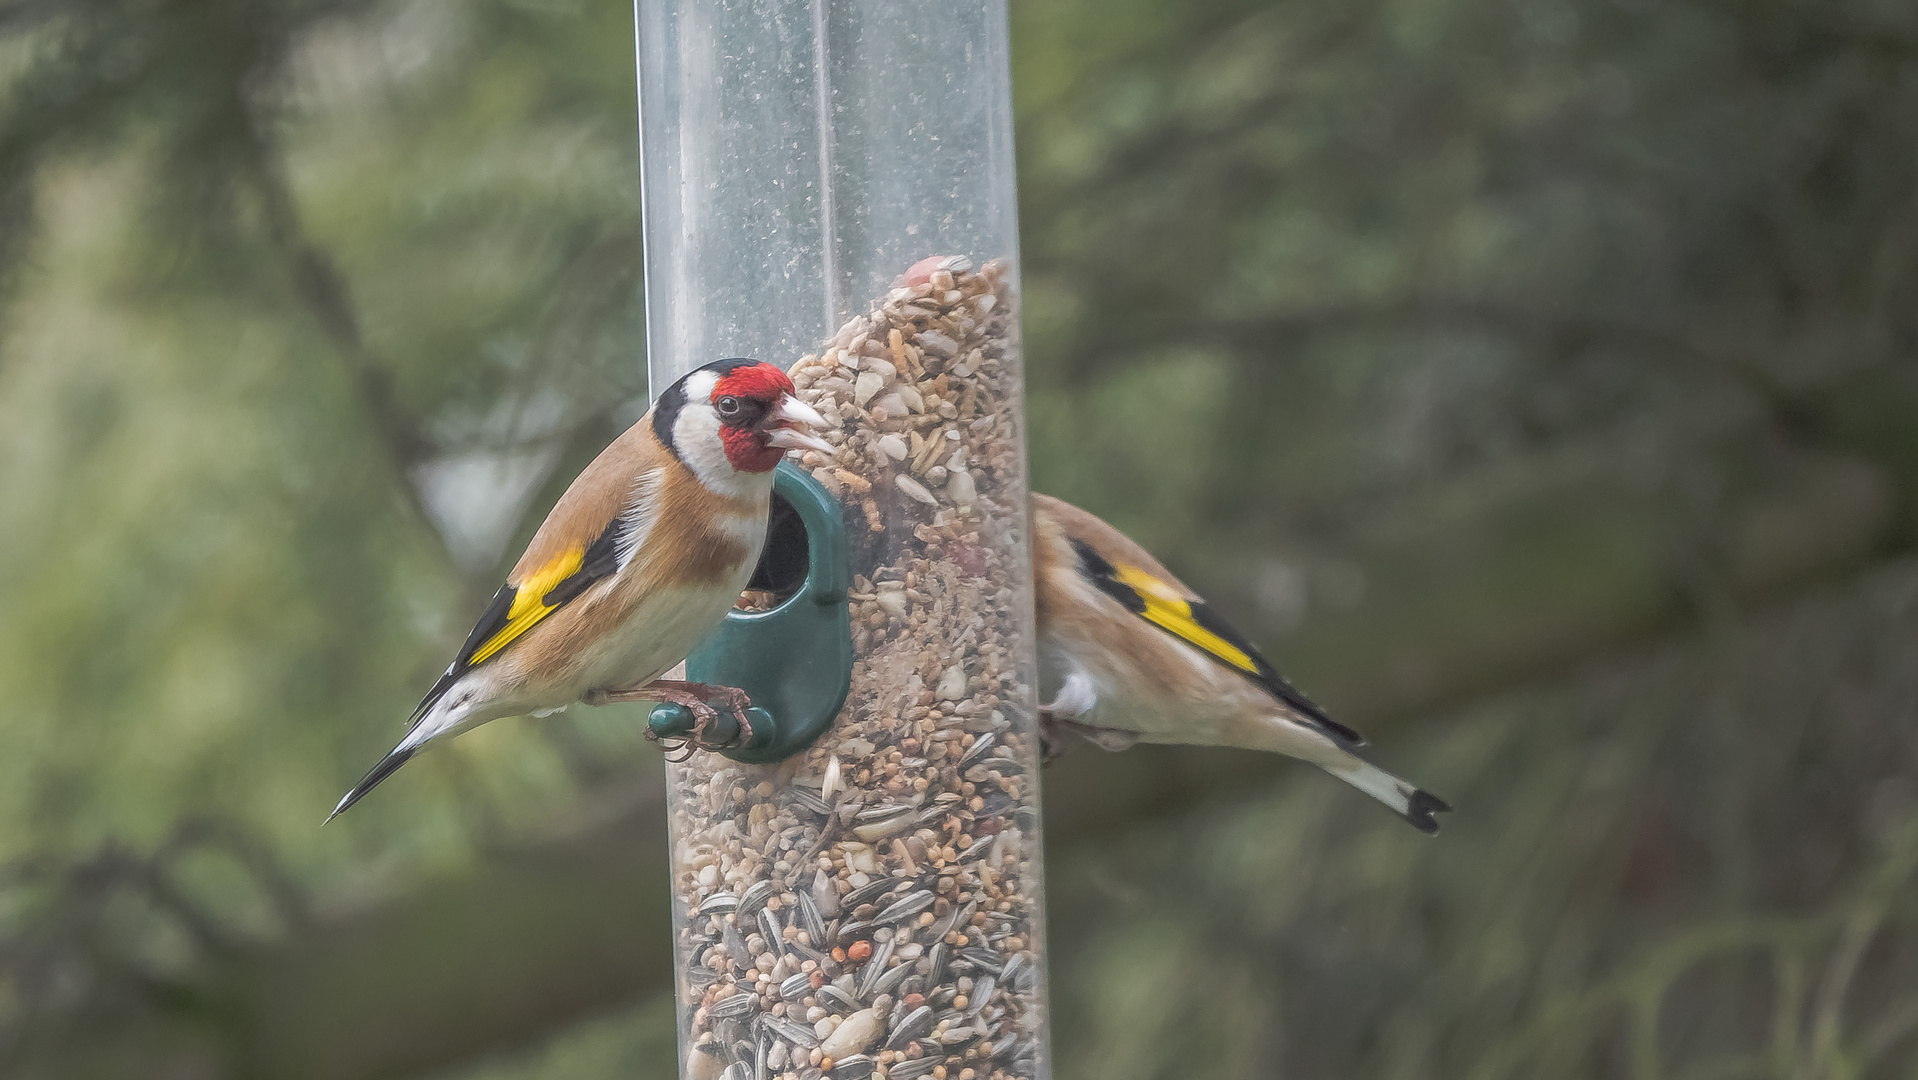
(783, 434)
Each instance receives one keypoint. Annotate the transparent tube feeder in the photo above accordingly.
(829, 186)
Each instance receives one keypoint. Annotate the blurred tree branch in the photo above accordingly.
(108, 59)
(318, 284)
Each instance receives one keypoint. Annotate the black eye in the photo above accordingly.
(728, 406)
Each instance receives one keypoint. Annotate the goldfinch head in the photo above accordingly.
(741, 413)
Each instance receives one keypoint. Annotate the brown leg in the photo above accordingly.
(1053, 741)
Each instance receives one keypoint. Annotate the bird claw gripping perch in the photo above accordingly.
(686, 721)
(685, 718)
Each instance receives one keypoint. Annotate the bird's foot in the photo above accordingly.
(732, 698)
(696, 697)
(1052, 742)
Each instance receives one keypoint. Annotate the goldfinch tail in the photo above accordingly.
(1412, 803)
(388, 765)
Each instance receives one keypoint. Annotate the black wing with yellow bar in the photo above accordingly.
(1194, 622)
(517, 609)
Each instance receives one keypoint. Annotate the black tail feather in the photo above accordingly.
(388, 766)
(1419, 810)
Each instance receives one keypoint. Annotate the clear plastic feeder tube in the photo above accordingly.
(829, 186)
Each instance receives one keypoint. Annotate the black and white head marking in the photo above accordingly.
(667, 409)
(685, 422)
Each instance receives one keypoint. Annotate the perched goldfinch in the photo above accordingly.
(1136, 656)
(639, 559)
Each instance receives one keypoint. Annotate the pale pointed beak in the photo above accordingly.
(794, 411)
(787, 437)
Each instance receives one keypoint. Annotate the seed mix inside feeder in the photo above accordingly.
(848, 921)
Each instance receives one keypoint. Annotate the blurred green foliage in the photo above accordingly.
(1457, 347)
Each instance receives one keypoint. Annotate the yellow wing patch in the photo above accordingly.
(529, 603)
(1167, 608)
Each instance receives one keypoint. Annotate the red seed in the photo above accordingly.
(921, 272)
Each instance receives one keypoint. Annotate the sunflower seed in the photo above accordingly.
(796, 986)
(916, 1024)
(855, 1067)
(980, 748)
(718, 903)
(805, 952)
(773, 932)
(912, 904)
(936, 961)
(875, 968)
(983, 960)
(913, 1070)
(810, 920)
(755, 897)
(959, 917)
(740, 1004)
(798, 1034)
(981, 993)
(838, 1000)
(869, 893)
(891, 979)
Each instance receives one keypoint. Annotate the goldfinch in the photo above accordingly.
(638, 560)
(1136, 656)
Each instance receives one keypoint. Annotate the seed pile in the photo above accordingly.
(870, 908)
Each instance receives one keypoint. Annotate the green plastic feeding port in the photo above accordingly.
(794, 660)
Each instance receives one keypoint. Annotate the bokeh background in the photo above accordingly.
(1535, 378)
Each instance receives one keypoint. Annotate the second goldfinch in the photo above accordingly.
(638, 560)
(1135, 656)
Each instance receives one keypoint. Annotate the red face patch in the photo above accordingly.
(760, 382)
(746, 442)
(748, 449)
